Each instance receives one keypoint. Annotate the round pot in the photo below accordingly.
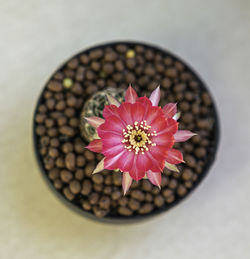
(81, 76)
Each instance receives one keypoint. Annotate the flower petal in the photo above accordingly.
(112, 124)
(169, 110)
(131, 95)
(138, 112)
(177, 116)
(126, 161)
(172, 167)
(112, 162)
(135, 172)
(126, 182)
(95, 121)
(183, 135)
(112, 100)
(174, 156)
(172, 127)
(95, 145)
(154, 178)
(99, 167)
(109, 110)
(155, 96)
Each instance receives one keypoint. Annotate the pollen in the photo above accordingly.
(137, 137)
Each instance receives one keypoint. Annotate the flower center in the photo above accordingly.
(137, 137)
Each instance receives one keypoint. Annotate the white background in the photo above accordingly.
(35, 37)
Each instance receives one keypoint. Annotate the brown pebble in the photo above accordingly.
(121, 48)
(40, 130)
(148, 197)
(93, 198)
(79, 146)
(104, 202)
(73, 63)
(54, 142)
(84, 59)
(206, 99)
(188, 184)
(52, 132)
(125, 211)
(88, 170)
(89, 155)
(117, 179)
(75, 186)
(187, 174)
(110, 56)
(108, 68)
(158, 201)
(133, 204)
(123, 201)
(146, 208)
(60, 162)
(116, 195)
(138, 195)
(40, 117)
(79, 174)
(53, 152)
(168, 61)
(44, 141)
(97, 178)
(66, 130)
(68, 194)
(42, 108)
(107, 190)
(170, 199)
(96, 54)
(131, 63)
(55, 86)
(190, 160)
(98, 187)
(184, 106)
(86, 205)
(181, 190)
(66, 176)
(200, 152)
(77, 89)
(61, 121)
(119, 66)
(86, 187)
(203, 124)
(70, 161)
(49, 162)
(156, 190)
(100, 213)
(146, 185)
(187, 117)
(69, 112)
(80, 161)
(171, 72)
(166, 83)
(58, 184)
(67, 147)
(173, 183)
(54, 173)
(71, 101)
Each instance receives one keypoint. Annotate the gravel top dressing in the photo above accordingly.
(59, 142)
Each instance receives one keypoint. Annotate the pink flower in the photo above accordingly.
(137, 137)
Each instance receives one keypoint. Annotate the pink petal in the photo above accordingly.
(183, 135)
(131, 95)
(126, 161)
(169, 110)
(166, 140)
(95, 121)
(99, 167)
(154, 178)
(125, 113)
(95, 145)
(112, 162)
(143, 162)
(155, 96)
(172, 127)
(126, 182)
(174, 156)
(112, 100)
(112, 124)
(137, 112)
(109, 110)
(135, 172)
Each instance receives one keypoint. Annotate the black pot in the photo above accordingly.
(128, 219)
